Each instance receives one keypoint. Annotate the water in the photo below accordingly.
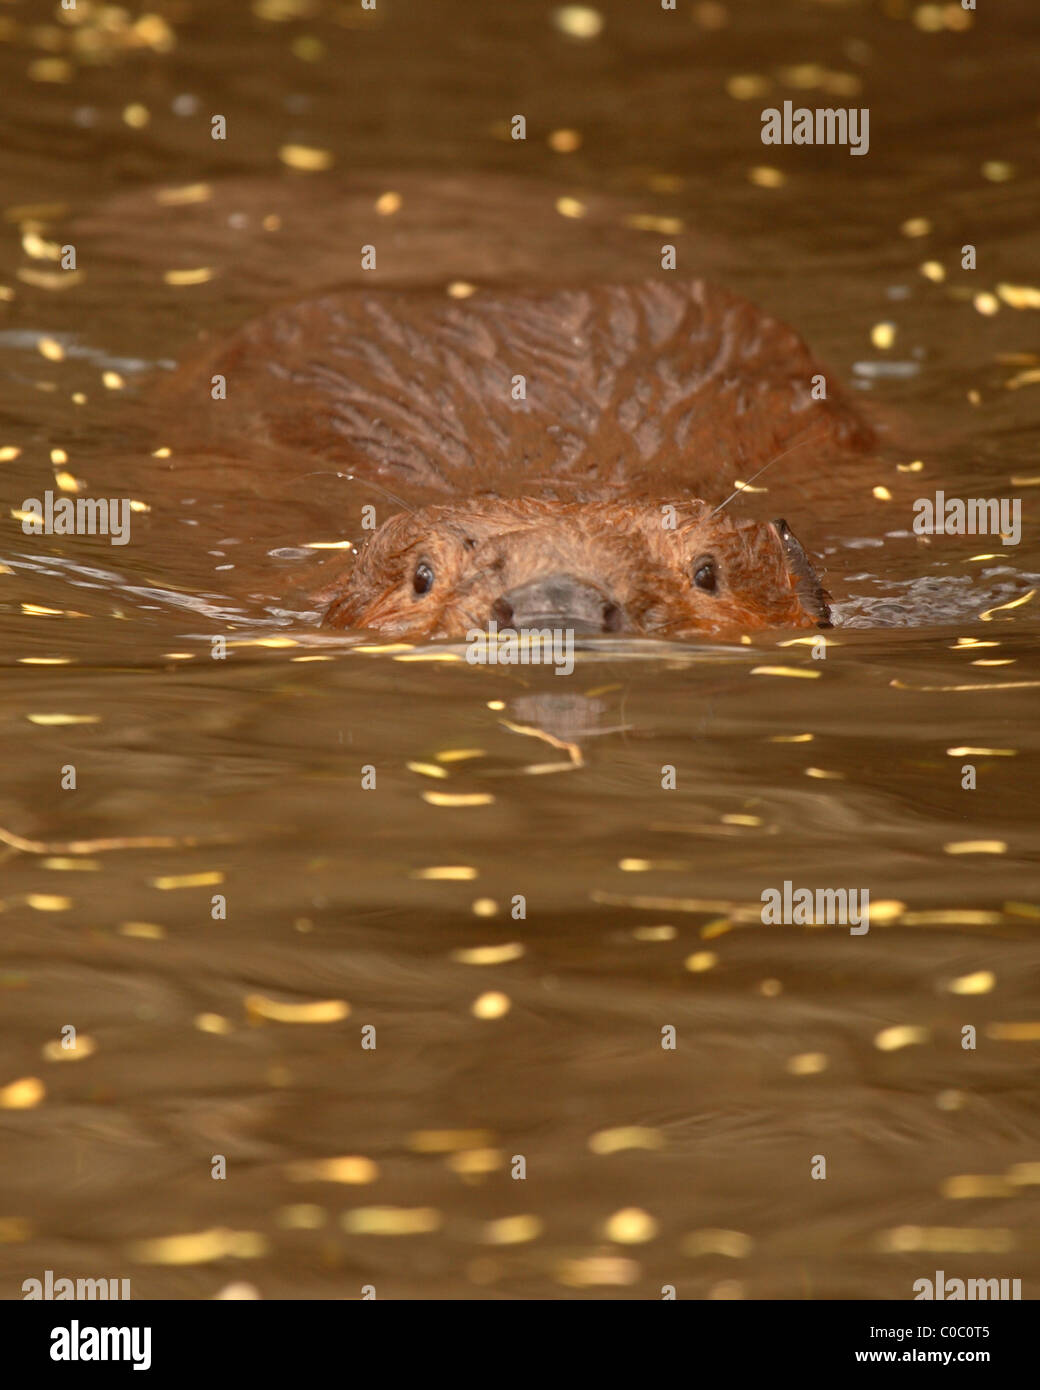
(642, 904)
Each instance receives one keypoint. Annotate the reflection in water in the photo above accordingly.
(226, 870)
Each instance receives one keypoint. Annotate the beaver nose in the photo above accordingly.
(558, 600)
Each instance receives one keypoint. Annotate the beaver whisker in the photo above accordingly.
(365, 482)
(813, 438)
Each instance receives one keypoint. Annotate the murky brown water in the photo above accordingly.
(645, 1166)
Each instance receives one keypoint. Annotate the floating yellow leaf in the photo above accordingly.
(974, 1185)
(916, 226)
(388, 203)
(24, 1094)
(578, 21)
(306, 158)
(316, 1011)
(185, 193)
(906, 1240)
(442, 1141)
(50, 721)
(391, 1221)
(351, 1168)
(55, 1051)
(144, 931)
(489, 955)
(216, 1024)
(883, 335)
(900, 1035)
(198, 276)
(807, 1063)
(795, 672)
(736, 1244)
(981, 982)
(764, 176)
(595, 1270)
(202, 880)
(1020, 296)
(458, 799)
(201, 1247)
(491, 1005)
(610, 1141)
(564, 141)
(701, 961)
(512, 1230)
(1013, 1032)
(630, 1226)
(976, 847)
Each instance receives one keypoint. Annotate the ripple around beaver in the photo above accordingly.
(662, 390)
(239, 467)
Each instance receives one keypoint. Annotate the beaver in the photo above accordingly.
(554, 456)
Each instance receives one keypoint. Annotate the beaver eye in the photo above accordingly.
(422, 579)
(704, 575)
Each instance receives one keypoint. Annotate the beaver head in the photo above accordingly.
(649, 568)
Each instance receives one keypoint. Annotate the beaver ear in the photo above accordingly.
(813, 595)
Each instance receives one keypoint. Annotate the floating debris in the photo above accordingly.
(24, 1094)
(764, 176)
(491, 1005)
(388, 203)
(168, 882)
(975, 847)
(260, 1006)
(630, 1226)
(807, 1063)
(201, 1247)
(795, 672)
(899, 1036)
(391, 1221)
(578, 21)
(352, 1169)
(512, 1230)
(611, 1141)
(489, 955)
(199, 276)
(734, 1244)
(947, 1240)
(307, 159)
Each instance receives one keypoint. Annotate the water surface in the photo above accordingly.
(500, 1036)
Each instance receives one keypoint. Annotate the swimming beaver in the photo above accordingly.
(551, 451)
(532, 563)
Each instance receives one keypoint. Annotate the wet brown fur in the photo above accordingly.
(636, 397)
(479, 550)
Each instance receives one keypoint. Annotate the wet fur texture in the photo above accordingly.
(479, 550)
(634, 397)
